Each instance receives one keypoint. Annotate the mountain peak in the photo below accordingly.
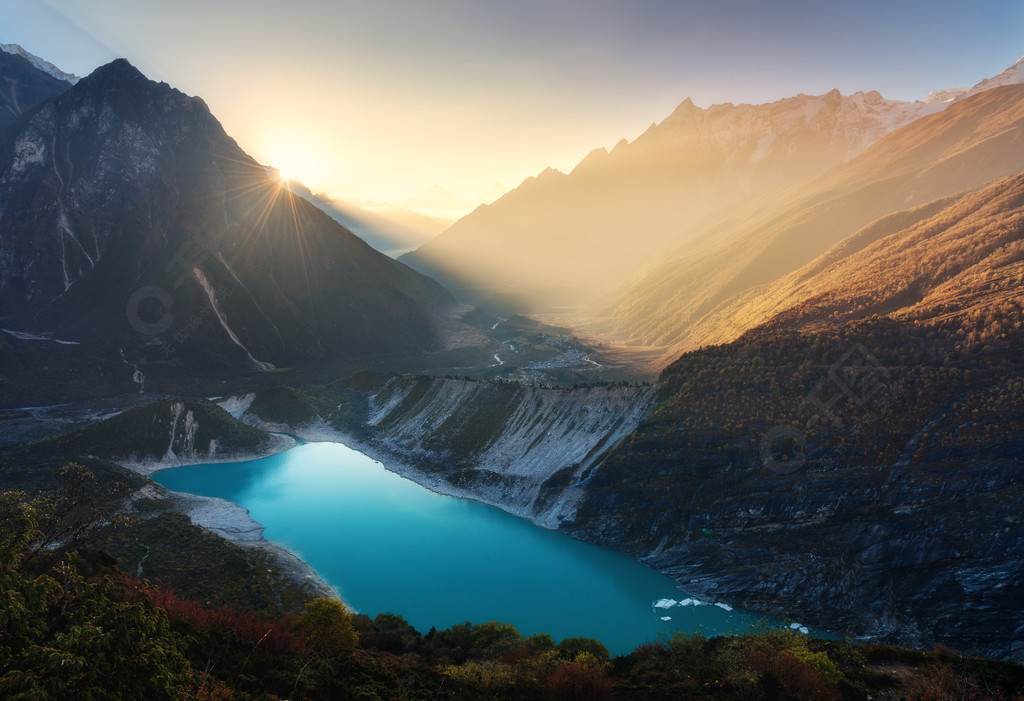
(686, 107)
(41, 64)
(1011, 76)
(119, 69)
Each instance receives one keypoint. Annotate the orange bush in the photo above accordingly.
(577, 682)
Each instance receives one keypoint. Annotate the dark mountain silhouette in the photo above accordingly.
(130, 219)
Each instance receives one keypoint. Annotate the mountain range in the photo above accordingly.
(706, 290)
(574, 239)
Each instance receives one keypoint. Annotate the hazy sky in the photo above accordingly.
(378, 100)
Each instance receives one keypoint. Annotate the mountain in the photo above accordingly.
(40, 64)
(437, 201)
(393, 231)
(570, 238)
(390, 230)
(171, 431)
(950, 260)
(688, 298)
(26, 81)
(496, 192)
(854, 460)
(130, 221)
(1011, 76)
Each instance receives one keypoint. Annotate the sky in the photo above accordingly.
(376, 101)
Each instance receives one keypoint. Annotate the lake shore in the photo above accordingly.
(231, 521)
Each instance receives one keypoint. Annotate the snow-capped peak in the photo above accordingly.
(1011, 76)
(945, 96)
(42, 64)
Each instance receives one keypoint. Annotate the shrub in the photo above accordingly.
(571, 648)
(578, 682)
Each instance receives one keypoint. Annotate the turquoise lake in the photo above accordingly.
(389, 545)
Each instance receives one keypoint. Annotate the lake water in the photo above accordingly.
(389, 545)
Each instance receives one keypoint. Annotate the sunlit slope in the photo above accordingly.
(967, 259)
(570, 238)
(971, 143)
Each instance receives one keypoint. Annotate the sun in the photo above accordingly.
(297, 161)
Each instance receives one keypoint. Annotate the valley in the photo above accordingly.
(766, 357)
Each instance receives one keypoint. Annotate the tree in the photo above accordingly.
(63, 636)
(326, 626)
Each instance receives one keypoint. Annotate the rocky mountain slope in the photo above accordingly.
(24, 84)
(130, 221)
(952, 259)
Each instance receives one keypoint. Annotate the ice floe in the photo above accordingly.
(665, 603)
(666, 618)
(725, 607)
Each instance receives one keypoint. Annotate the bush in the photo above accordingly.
(578, 682)
(571, 648)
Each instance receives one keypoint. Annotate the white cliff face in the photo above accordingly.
(526, 450)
